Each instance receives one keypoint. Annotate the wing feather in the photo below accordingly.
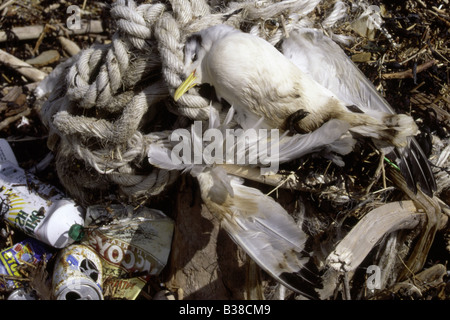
(320, 57)
(264, 230)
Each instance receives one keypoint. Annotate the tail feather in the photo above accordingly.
(411, 162)
(295, 271)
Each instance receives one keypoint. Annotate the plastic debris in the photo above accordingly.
(367, 24)
(39, 210)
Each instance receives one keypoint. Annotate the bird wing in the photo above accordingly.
(265, 231)
(325, 61)
(320, 57)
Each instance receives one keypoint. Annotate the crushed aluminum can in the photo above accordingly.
(29, 250)
(134, 245)
(21, 294)
(77, 274)
(39, 210)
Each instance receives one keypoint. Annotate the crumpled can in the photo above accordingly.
(133, 245)
(77, 274)
(27, 251)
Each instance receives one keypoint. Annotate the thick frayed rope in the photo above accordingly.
(106, 103)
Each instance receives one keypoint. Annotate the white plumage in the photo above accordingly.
(260, 226)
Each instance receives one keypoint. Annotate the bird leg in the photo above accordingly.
(380, 169)
(292, 122)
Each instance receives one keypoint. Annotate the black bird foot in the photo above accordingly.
(292, 122)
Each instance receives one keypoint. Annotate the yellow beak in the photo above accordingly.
(185, 86)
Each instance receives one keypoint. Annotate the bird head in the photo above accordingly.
(196, 49)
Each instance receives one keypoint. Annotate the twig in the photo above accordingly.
(10, 234)
(15, 278)
(439, 17)
(41, 37)
(421, 51)
(22, 67)
(7, 3)
(27, 263)
(408, 73)
(422, 3)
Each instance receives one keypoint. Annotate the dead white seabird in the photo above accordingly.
(260, 82)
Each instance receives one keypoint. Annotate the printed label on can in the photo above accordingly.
(29, 250)
(131, 259)
(19, 213)
(73, 262)
(78, 274)
(132, 249)
(37, 209)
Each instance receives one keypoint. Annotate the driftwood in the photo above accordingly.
(204, 262)
(5, 123)
(22, 67)
(34, 32)
(69, 46)
(353, 249)
(433, 223)
(429, 279)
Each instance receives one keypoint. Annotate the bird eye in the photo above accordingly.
(194, 57)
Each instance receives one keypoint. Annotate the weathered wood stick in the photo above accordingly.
(22, 67)
(14, 118)
(408, 73)
(354, 248)
(7, 3)
(34, 32)
(430, 278)
(69, 46)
